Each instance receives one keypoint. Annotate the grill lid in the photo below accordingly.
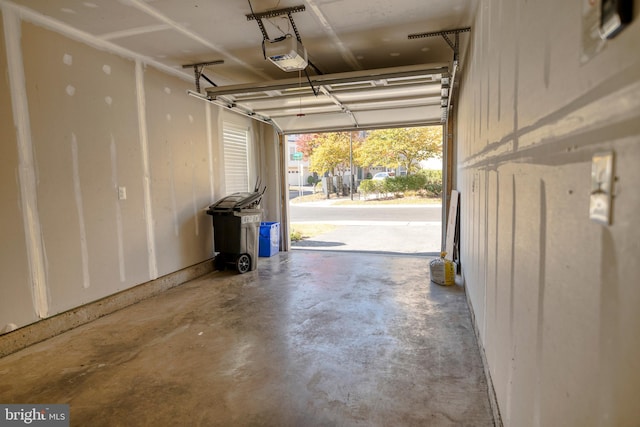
(236, 202)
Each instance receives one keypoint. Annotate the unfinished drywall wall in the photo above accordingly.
(554, 294)
(107, 169)
(179, 172)
(271, 172)
(16, 304)
(84, 131)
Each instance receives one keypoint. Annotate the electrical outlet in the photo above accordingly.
(122, 193)
(601, 187)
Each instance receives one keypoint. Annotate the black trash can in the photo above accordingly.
(236, 224)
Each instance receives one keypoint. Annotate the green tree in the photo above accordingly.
(331, 153)
(397, 147)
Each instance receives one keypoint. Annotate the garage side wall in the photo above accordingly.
(554, 294)
(16, 302)
(107, 167)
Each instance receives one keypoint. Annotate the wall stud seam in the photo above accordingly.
(146, 174)
(77, 189)
(29, 15)
(150, 11)
(27, 176)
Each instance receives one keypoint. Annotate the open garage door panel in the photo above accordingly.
(391, 97)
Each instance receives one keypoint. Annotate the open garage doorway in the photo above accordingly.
(366, 191)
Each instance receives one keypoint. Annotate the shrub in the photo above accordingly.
(403, 184)
(370, 186)
(416, 182)
(433, 183)
(295, 235)
(395, 185)
(426, 182)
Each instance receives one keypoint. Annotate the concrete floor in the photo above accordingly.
(309, 339)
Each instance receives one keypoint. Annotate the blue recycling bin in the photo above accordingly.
(269, 243)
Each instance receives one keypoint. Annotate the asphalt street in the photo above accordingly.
(393, 229)
(321, 213)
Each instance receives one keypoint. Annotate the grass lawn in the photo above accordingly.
(305, 231)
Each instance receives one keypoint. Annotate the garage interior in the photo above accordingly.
(115, 116)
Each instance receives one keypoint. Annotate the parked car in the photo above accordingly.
(381, 176)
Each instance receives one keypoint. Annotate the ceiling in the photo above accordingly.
(366, 71)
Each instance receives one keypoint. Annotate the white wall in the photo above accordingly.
(78, 123)
(555, 295)
(270, 169)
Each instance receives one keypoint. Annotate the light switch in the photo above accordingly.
(122, 193)
(601, 187)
